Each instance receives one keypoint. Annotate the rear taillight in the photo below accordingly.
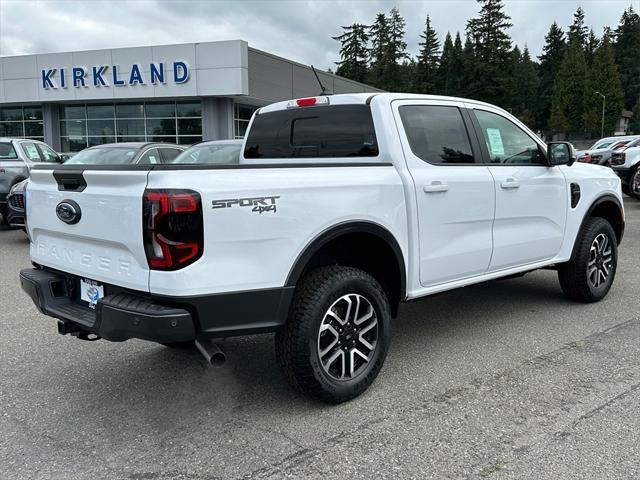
(172, 228)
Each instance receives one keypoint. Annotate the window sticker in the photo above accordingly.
(152, 159)
(495, 141)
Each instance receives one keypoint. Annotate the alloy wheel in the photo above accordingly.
(347, 337)
(600, 263)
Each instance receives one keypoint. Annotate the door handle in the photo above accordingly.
(436, 186)
(510, 183)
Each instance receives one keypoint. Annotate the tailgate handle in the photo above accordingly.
(70, 180)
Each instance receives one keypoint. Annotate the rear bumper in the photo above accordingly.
(116, 317)
(124, 314)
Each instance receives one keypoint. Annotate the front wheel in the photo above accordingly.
(337, 335)
(589, 276)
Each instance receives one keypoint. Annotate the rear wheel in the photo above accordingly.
(337, 335)
(589, 276)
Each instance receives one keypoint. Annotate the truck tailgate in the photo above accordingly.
(106, 243)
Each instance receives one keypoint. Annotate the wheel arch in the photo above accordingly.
(608, 207)
(336, 245)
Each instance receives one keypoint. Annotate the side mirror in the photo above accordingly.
(560, 153)
(63, 157)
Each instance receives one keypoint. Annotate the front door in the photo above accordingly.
(454, 190)
(531, 196)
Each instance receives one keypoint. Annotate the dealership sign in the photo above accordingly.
(111, 75)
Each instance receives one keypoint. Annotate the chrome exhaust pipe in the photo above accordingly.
(211, 352)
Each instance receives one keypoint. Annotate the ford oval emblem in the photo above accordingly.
(69, 212)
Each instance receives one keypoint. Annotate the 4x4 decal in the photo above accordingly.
(258, 204)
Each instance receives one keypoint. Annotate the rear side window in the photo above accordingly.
(168, 154)
(151, 157)
(313, 132)
(437, 134)
(7, 152)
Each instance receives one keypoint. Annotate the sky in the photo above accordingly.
(300, 30)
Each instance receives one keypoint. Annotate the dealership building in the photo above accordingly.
(174, 93)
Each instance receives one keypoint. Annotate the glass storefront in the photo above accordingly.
(22, 122)
(241, 115)
(87, 125)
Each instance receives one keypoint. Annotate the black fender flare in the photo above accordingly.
(346, 228)
(599, 201)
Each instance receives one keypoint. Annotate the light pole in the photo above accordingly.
(604, 99)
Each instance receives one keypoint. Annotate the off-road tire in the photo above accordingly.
(573, 275)
(297, 341)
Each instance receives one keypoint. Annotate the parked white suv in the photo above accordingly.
(341, 207)
(626, 163)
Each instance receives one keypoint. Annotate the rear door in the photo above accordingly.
(454, 190)
(105, 244)
(531, 196)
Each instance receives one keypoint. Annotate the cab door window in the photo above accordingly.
(506, 143)
(437, 134)
(48, 155)
(151, 157)
(31, 151)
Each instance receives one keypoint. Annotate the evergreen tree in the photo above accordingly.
(627, 53)
(492, 46)
(396, 53)
(428, 58)
(469, 69)
(603, 77)
(353, 52)
(525, 79)
(445, 67)
(513, 68)
(553, 53)
(456, 75)
(591, 47)
(379, 38)
(578, 31)
(409, 80)
(568, 101)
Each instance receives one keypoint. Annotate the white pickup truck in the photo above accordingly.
(340, 208)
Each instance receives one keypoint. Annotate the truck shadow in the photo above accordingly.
(155, 382)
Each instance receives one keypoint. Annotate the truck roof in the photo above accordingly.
(363, 98)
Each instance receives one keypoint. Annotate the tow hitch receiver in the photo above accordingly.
(74, 330)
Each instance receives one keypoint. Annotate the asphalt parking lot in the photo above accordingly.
(506, 379)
